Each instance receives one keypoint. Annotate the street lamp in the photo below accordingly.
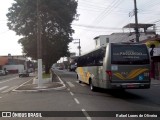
(79, 46)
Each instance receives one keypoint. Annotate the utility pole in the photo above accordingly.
(79, 46)
(136, 21)
(39, 47)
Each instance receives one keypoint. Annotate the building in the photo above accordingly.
(146, 31)
(13, 64)
(3, 61)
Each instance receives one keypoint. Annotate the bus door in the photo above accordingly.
(101, 82)
(100, 69)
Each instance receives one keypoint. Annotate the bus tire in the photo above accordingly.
(92, 88)
(78, 79)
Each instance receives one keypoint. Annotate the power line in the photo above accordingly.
(106, 12)
(4, 32)
(100, 10)
(91, 4)
(96, 27)
(156, 21)
(112, 8)
(152, 4)
(3, 20)
(90, 10)
(97, 30)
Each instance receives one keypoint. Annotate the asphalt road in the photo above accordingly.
(105, 100)
(9, 82)
(78, 97)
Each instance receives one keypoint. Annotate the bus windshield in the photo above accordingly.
(129, 54)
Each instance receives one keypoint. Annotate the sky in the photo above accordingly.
(97, 17)
(103, 17)
(8, 39)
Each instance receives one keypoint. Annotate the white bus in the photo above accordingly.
(116, 66)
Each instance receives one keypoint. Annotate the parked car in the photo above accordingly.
(23, 74)
(73, 67)
(61, 68)
(6, 72)
(2, 72)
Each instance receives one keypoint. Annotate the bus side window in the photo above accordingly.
(99, 58)
(94, 58)
(99, 61)
(89, 62)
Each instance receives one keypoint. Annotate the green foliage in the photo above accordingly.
(55, 16)
(46, 75)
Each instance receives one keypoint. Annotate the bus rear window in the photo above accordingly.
(129, 54)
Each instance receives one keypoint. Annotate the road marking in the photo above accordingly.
(61, 81)
(76, 101)
(71, 93)
(4, 87)
(83, 84)
(0, 97)
(11, 88)
(77, 81)
(23, 84)
(9, 80)
(70, 84)
(86, 114)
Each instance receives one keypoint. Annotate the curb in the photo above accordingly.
(41, 89)
(155, 82)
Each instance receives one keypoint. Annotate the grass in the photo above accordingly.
(45, 75)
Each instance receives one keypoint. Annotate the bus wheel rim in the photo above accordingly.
(91, 86)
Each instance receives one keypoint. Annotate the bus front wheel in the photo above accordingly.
(78, 79)
(91, 86)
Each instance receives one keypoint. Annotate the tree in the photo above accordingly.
(55, 16)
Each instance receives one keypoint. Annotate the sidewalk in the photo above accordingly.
(54, 83)
(155, 82)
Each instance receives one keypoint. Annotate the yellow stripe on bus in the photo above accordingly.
(137, 73)
(131, 75)
(119, 76)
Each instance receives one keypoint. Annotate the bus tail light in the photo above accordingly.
(109, 72)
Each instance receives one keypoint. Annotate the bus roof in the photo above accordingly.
(101, 47)
(129, 43)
